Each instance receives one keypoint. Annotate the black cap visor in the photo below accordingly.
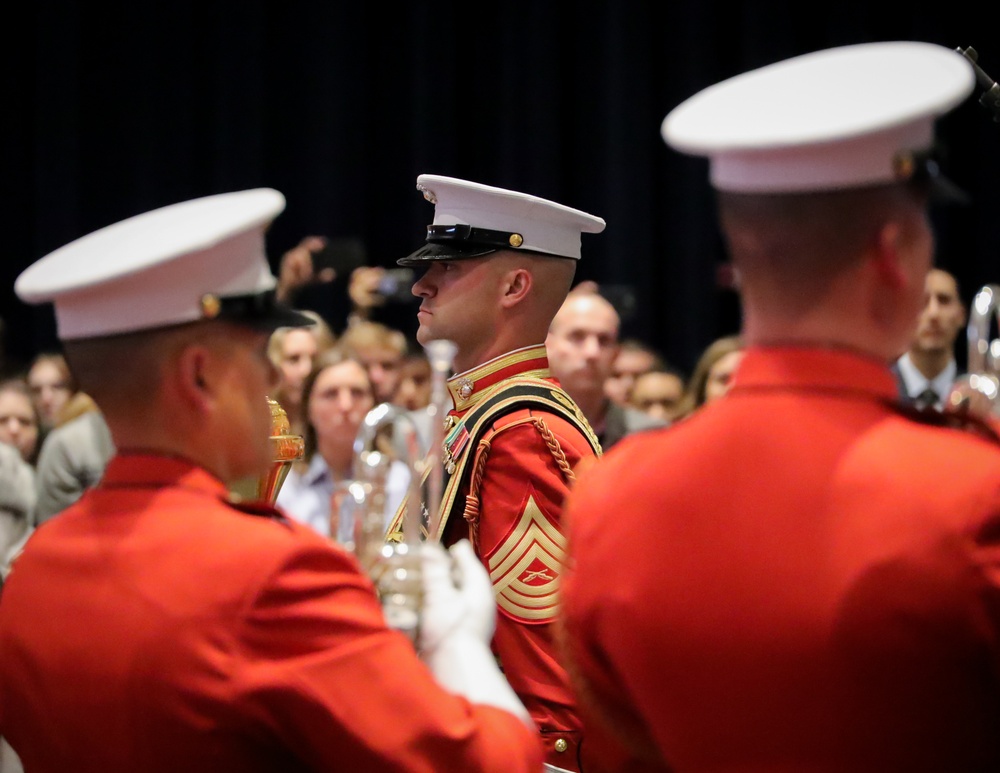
(923, 171)
(260, 311)
(432, 252)
(454, 242)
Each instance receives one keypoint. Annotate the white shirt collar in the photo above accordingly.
(915, 382)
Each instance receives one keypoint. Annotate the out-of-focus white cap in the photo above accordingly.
(844, 117)
(199, 259)
(471, 219)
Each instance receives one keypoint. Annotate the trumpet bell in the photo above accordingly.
(974, 394)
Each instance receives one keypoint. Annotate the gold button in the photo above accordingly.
(561, 745)
(903, 166)
(210, 306)
(516, 240)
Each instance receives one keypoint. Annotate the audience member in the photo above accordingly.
(381, 349)
(17, 499)
(17, 504)
(72, 459)
(633, 359)
(414, 395)
(296, 269)
(810, 576)
(712, 375)
(927, 370)
(582, 343)
(20, 424)
(51, 386)
(336, 396)
(160, 625)
(414, 389)
(358, 295)
(658, 393)
(498, 265)
(293, 351)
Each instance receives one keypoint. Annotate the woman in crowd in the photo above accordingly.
(20, 425)
(292, 350)
(712, 374)
(52, 386)
(336, 396)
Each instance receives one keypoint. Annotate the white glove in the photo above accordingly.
(458, 595)
(456, 624)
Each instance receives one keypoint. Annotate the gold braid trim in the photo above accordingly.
(471, 513)
(556, 450)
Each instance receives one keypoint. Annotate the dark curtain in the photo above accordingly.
(116, 108)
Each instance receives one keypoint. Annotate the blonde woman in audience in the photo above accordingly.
(712, 374)
(292, 350)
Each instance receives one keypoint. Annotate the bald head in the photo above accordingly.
(808, 237)
(580, 305)
(844, 267)
(532, 290)
(552, 278)
(582, 343)
(196, 390)
(123, 373)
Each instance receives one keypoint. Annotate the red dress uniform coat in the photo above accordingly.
(797, 578)
(153, 626)
(518, 535)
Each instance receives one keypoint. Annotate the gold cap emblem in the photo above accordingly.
(903, 166)
(210, 306)
(428, 194)
(516, 240)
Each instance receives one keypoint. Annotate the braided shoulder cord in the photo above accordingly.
(471, 513)
(554, 448)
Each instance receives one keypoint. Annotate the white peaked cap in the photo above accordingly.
(839, 118)
(497, 219)
(198, 259)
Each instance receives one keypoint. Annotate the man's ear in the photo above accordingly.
(517, 283)
(886, 254)
(193, 377)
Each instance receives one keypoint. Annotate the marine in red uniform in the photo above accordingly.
(498, 265)
(802, 576)
(156, 624)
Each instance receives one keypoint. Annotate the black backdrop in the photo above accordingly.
(114, 110)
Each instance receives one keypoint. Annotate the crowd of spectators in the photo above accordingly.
(621, 385)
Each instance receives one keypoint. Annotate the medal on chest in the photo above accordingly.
(455, 441)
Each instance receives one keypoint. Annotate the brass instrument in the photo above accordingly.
(358, 509)
(286, 449)
(441, 355)
(977, 392)
(394, 568)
